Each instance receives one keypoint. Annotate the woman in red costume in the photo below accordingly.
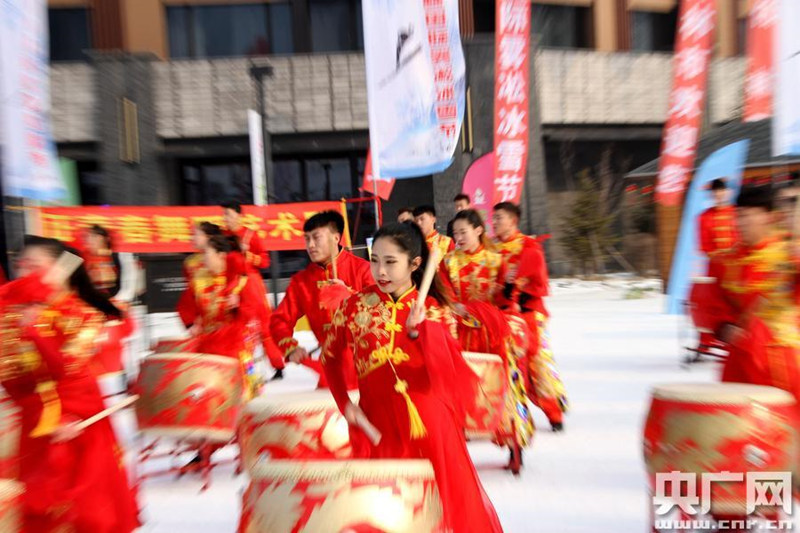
(473, 274)
(220, 309)
(414, 383)
(74, 479)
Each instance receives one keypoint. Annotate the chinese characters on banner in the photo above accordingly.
(758, 82)
(690, 73)
(415, 85)
(511, 108)
(168, 229)
(383, 185)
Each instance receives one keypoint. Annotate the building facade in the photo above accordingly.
(150, 97)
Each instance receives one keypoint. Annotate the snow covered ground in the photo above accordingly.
(611, 349)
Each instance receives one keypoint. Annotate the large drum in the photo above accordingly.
(293, 426)
(487, 415)
(721, 427)
(398, 496)
(190, 396)
(10, 506)
(10, 428)
(706, 304)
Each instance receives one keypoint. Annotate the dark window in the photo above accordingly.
(230, 30)
(654, 32)
(336, 25)
(562, 26)
(484, 15)
(209, 182)
(741, 36)
(69, 34)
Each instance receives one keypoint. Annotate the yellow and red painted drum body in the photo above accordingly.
(706, 304)
(190, 396)
(397, 496)
(10, 433)
(487, 414)
(721, 427)
(293, 426)
(11, 506)
(175, 345)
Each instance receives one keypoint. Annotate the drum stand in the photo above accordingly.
(201, 463)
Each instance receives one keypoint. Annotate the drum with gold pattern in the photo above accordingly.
(10, 428)
(329, 496)
(721, 427)
(174, 345)
(190, 396)
(487, 415)
(293, 426)
(11, 506)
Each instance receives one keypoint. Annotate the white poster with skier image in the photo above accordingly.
(415, 84)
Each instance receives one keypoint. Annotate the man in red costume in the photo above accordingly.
(425, 217)
(758, 280)
(526, 285)
(316, 291)
(717, 227)
(718, 223)
(255, 258)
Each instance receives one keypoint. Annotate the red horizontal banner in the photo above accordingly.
(168, 229)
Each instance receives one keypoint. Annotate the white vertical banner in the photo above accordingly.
(786, 116)
(415, 84)
(29, 163)
(257, 167)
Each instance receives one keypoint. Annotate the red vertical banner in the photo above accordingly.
(511, 109)
(686, 101)
(758, 83)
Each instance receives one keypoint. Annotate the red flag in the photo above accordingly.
(385, 185)
(690, 74)
(759, 79)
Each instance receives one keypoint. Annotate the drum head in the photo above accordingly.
(722, 393)
(295, 403)
(217, 359)
(360, 470)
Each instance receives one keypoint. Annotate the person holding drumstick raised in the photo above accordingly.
(72, 470)
(316, 291)
(414, 383)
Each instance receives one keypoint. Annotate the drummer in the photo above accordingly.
(717, 224)
(309, 289)
(758, 278)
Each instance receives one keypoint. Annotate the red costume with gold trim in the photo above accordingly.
(302, 298)
(223, 331)
(415, 392)
(255, 259)
(475, 280)
(760, 286)
(718, 229)
(78, 485)
(104, 271)
(525, 293)
(443, 242)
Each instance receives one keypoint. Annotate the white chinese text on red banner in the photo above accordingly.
(511, 109)
(689, 80)
(758, 82)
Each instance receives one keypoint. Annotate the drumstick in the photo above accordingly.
(335, 256)
(366, 426)
(425, 286)
(427, 277)
(66, 264)
(105, 413)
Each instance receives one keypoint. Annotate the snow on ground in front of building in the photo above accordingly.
(611, 350)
